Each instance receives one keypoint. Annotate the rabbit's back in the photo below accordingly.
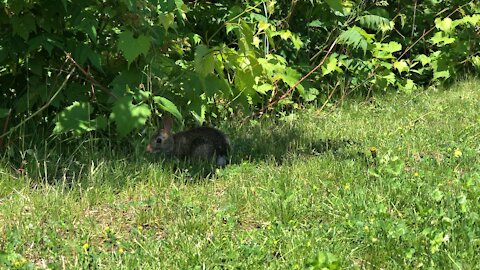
(202, 143)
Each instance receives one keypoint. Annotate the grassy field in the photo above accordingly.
(301, 191)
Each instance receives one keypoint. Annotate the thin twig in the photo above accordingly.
(230, 20)
(43, 107)
(90, 77)
(414, 17)
(426, 33)
(5, 126)
(329, 96)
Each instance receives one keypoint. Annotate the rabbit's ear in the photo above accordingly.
(167, 123)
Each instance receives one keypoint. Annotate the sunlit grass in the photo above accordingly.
(298, 190)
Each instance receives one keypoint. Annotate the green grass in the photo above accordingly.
(299, 190)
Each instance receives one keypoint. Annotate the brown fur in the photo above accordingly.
(202, 143)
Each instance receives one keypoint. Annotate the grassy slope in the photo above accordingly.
(295, 189)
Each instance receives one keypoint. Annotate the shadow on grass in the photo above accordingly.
(282, 143)
(68, 161)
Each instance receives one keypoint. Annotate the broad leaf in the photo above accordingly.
(166, 20)
(401, 66)
(168, 106)
(127, 116)
(357, 37)
(24, 25)
(132, 47)
(330, 65)
(423, 59)
(204, 60)
(445, 25)
(335, 5)
(76, 118)
(440, 39)
(263, 89)
(4, 112)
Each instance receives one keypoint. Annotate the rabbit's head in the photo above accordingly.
(162, 141)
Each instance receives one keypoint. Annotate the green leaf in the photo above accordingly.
(263, 89)
(471, 20)
(167, 20)
(245, 81)
(330, 65)
(182, 9)
(310, 94)
(23, 25)
(229, 27)
(335, 5)
(245, 37)
(423, 59)
(204, 60)
(285, 34)
(385, 50)
(445, 25)
(7, 259)
(214, 85)
(132, 47)
(127, 116)
(4, 112)
(375, 22)
(291, 77)
(125, 81)
(407, 86)
(196, 39)
(198, 112)
(87, 23)
(76, 118)
(316, 23)
(437, 195)
(385, 78)
(476, 61)
(324, 260)
(441, 74)
(83, 52)
(401, 66)
(168, 106)
(357, 37)
(440, 39)
(297, 42)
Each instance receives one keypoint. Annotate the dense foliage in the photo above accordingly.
(85, 65)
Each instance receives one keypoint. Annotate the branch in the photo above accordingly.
(43, 107)
(90, 77)
(275, 101)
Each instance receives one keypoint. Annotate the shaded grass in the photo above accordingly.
(296, 187)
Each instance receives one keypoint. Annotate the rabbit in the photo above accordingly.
(203, 143)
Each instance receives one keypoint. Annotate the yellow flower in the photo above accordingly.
(347, 186)
(457, 153)
(416, 174)
(86, 246)
(107, 229)
(140, 227)
(120, 250)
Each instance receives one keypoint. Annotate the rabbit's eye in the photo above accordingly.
(158, 140)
